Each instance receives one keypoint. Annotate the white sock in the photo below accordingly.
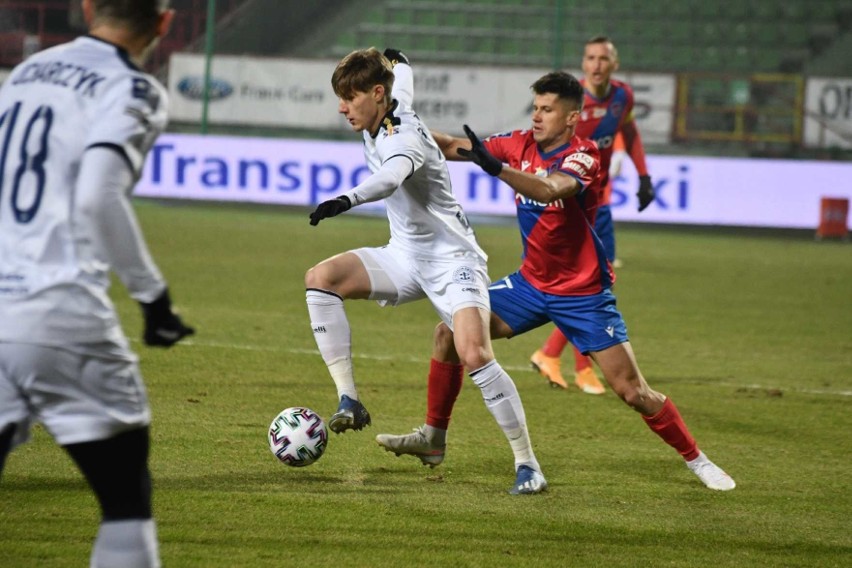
(503, 401)
(128, 544)
(334, 338)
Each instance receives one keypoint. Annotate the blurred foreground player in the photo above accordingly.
(77, 121)
(607, 115)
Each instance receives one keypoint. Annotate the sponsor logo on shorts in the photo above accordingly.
(463, 275)
(610, 331)
(471, 290)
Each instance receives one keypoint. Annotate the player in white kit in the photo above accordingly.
(76, 122)
(432, 254)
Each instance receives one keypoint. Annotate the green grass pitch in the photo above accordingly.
(749, 333)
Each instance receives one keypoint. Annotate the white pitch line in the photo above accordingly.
(314, 352)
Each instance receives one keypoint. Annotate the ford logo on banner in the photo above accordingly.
(193, 88)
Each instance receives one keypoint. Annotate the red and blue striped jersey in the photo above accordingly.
(562, 254)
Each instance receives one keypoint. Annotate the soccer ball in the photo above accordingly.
(298, 436)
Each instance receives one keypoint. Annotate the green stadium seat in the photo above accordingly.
(710, 58)
(425, 18)
(824, 11)
(425, 42)
(666, 35)
(795, 33)
(375, 16)
(678, 32)
(737, 58)
(767, 33)
(766, 11)
(682, 59)
(737, 33)
(372, 38)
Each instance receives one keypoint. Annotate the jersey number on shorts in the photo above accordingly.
(31, 157)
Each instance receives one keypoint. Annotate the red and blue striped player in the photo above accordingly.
(565, 277)
(607, 112)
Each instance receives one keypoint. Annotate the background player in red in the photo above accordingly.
(607, 112)
(564, 278)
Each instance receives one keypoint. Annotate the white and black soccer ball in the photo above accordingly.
(298, 436)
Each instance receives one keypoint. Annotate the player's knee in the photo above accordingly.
(443, 338)
(316, 277)
(474, 356)
(642, 399)
(631, 397)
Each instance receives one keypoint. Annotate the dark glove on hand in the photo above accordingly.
(163, 327)
(646, 192)
(396, 56)
(330, 208)
(479, 155)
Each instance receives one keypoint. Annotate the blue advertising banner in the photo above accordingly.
(690, 190)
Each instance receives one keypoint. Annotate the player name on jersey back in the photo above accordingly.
(60, 73)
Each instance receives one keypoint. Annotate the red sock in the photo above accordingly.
(555, 343)
(445, 382)
(580, 361)
(669, 426)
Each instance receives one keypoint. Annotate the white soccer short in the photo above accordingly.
(80, 394)
(396, 278)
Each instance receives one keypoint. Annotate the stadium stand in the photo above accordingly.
(27, 26)
(667, 35)
(791, 36)
(713, 46)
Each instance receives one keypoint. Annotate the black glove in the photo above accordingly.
(479, 155)
(646, 192)
(163, 327)
(396, 56)
(330, 208)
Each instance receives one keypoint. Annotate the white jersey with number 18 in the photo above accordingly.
(53, 108)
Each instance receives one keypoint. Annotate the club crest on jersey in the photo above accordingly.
(142, 89)
(595, 113)
(391, 124)
(464, 275)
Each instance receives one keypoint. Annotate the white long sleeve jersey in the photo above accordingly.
(76, 122)
(425, 218)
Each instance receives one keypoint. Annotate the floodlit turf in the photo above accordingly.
(751, 335)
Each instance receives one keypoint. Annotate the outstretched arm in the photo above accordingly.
(450, 145)
(378, 186)
(403, 82)
(548, 189)
(542, 189)
(633, 146)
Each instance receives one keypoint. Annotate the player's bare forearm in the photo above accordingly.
(542, 189)
(449, 145)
